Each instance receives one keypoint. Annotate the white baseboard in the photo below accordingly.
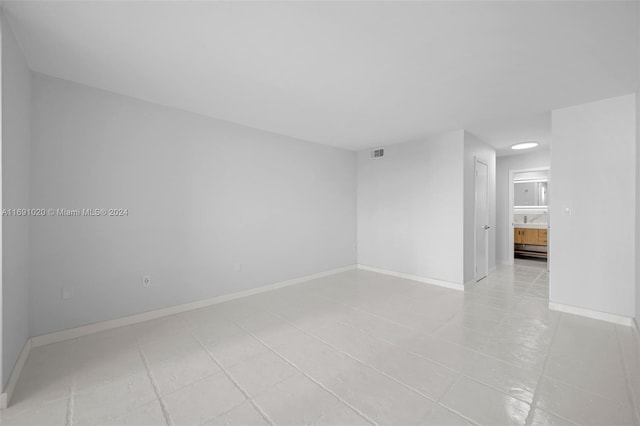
(441, 283)
(470, 283)
(474, 280)
(84, 330)
(604, 316)
(5, 397)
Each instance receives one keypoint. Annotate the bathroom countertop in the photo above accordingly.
(531, 225)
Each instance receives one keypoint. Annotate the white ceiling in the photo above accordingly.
(349, 74)
(507, 131)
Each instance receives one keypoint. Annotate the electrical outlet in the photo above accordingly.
(67, 292)
(146, 281)
(237, 266)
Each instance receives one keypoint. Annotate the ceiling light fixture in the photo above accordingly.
(524, 145)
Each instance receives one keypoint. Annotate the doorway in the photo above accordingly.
(481, 221)
(529, 199)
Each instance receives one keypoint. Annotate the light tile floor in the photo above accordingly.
(350, 349)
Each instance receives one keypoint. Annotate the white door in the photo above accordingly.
(482, 220)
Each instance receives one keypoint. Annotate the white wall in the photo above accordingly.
(202, 194)
(637, 233)
(475, 148)
(593, 172)
(16, 101)
(410, 208)
(503, 214)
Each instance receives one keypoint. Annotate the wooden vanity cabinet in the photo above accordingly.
(531, 242)
(528, 236)
(542, 237)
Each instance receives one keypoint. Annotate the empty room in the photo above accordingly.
(320, 213)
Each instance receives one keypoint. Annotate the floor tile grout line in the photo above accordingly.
(431, 335)
(262, 412)
(411, 388)
(224, 413)
(463, 374)
(457, 413)
(177, 389)
(467, 376)
(72, 388)
(154, 385)
(509, 312)
(536, 393)
(71, 402)
(326, 411)
(504, 319)
(475, 351)
(201, 379)
(587, 391)
(634, 404)
(335, 395)
(446, 323)
(486, 338)
(577, 387)
(441, 404)
(572, 422)
(360, 309)
(244, 392)
(399, 348)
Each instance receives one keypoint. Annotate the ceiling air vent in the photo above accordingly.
(377, 153)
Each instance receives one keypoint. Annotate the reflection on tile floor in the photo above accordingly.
(349, 349)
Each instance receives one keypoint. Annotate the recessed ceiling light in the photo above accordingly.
(524, 145)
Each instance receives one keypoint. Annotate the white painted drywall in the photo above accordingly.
(503, 214)
(593, 173)
(474, 149)
(637, 233)
(202, 194)
(16, 111)
(410, 208)
(2, 356)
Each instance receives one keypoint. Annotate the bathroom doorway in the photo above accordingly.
(529, 199)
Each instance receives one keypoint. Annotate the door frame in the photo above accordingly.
(475, 221)
(512, 172)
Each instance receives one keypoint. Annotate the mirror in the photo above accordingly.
(530, 193)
